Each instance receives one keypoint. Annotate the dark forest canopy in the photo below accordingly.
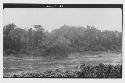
(39, 42)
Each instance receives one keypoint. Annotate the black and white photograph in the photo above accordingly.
(62, 40)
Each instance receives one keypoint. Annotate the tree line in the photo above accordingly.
(67, 39)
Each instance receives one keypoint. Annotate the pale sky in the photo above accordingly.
(52, 18)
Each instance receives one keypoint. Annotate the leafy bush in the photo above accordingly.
(84, 71)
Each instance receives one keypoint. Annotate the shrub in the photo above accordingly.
(85, 71)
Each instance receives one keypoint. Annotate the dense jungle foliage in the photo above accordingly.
(36, 41)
